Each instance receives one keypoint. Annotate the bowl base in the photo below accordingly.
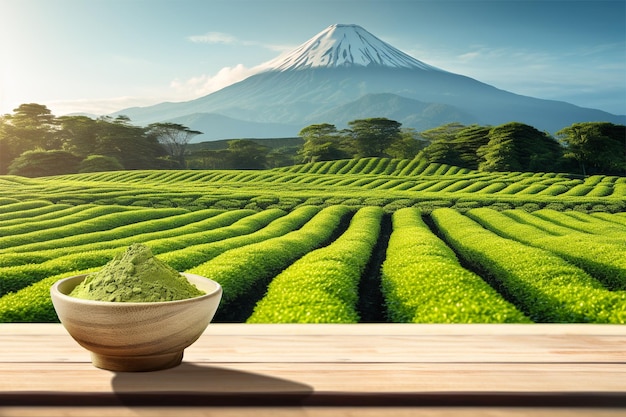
(137, 363)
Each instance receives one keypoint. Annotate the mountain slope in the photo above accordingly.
(407, 111)
(343, 64)
(344, 46)
(215, 126)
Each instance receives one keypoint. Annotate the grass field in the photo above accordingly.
(370, 240)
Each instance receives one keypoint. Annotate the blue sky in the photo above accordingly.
(100, 56)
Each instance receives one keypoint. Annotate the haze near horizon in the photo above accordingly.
(102, 56)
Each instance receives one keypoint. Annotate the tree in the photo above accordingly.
(174, 137)
(41, 163)
(32, 126)
(599, 147)
(99, 163)
(34, 123)
(442, 148)
(247, 154)
(80, 134)
(209, 159)
(322, 142)
(445, 132)
(519, 147)
(129, 144)
(408, 145)
(283, 156)
(372, 137)
(467, 142)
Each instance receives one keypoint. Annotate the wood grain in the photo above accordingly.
(413, 369)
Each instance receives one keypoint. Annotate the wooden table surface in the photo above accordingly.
(330, 370)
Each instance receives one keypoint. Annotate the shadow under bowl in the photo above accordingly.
(123, 336)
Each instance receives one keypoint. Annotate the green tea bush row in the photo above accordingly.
(13, 278)
(91, 220)
(242, 270)
(380, 166)
(611, 217)
(61, 211)
(323, 285)
(20, 220)
(345, 166)
(13, 208)
(19, 215)
(525, 217)
(554, 189)
(415, 167)
(493, 188)
(542, 284)
(457, 186)
(600, 225)
(582, 222)
(33, 303)
(603, 260)
(188, 250)
(513, 188)
(423, 282)
(182, 188)
(264, 225)
(144, 231)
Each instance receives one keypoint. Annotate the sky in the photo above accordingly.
(101, 56)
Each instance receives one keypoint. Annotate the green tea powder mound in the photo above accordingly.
(136, 276)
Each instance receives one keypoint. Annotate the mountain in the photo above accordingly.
(215, 126)
(346, 73)
(409, 112)
(344, 46)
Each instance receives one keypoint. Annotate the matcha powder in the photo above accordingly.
(136, 276)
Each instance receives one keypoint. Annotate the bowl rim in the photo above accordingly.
(54, 290)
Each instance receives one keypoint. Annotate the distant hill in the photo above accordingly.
(273, 143)
(215, 126)
(409, 112)
(346, 73)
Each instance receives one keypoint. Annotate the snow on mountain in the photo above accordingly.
(344, 73)
(344, 46)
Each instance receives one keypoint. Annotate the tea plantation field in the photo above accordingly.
(369, 240)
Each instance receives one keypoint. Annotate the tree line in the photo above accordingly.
(582, 148)
(33, 142)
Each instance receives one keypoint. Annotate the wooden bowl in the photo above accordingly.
(146, 336)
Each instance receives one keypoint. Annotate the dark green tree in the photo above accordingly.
(80, 134)
(41, 163)
(99, 163)
(372, 137)
(209, 159)
(35, 125)
(174, 137)
(442, 147)
(445, 132)
(129, 144)
(519, 147)
(408, 145)
(467, 142)
(322, 142)
(31, 126)
(598, 147)
(282, 156)
(247, 154)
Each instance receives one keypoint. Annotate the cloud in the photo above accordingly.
(228, 39)
(99, 106)
(213, 37)
(205, 84)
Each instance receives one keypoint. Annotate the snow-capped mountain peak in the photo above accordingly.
(342, 45)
